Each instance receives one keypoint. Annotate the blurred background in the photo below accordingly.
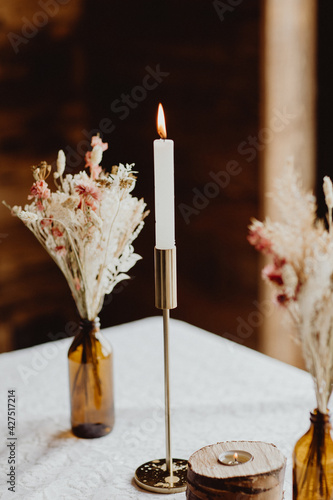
(243, 84)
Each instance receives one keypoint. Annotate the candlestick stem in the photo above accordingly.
(166, 314)
(164, 475)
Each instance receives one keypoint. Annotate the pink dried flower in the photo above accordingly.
(278, 262)
(95, 170)
(273, 273)
(56, 232)
(282, 299)
(94, 157)
(259, 241)
(97, 141)
(46, 222)
(89, 194)
(61, 250)
(39, 190)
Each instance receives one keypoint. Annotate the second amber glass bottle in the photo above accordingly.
(91, 382)
(313, 461)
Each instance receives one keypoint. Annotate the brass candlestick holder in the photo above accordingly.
(164, 475)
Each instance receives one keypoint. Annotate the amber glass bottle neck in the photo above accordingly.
(88, 326)
(318, 418)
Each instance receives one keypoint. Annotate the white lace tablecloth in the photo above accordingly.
(220, 391)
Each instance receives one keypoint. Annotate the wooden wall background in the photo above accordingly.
(58, 87)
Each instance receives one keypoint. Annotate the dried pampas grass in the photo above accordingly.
(301, 272)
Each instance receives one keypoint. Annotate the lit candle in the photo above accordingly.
(164, 186)
(234, 460)
(235, 457)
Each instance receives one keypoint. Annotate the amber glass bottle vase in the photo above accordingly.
(91, 382)
(313, 461)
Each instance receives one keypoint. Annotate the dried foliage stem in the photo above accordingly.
(99, 279)
(83, 312)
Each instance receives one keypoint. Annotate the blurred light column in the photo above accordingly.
(288, 78)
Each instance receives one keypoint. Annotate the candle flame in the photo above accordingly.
(236, 457)
(161, 127)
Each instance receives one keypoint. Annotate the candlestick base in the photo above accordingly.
(154, 476)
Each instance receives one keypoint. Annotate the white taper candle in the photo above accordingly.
(164, 187)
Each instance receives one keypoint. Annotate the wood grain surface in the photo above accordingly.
(260, 479)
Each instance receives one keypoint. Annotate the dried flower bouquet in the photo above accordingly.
(87, 225)
(301, 272)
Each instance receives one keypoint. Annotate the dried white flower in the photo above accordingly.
(61, 164)
(87, 226)
(302, 273)
(27, 216)
(96, 155)
(97, 221)
(36, 173)
(290, 279)
(15, 209)
(71, 202)
(328, 191)
(41, 171)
